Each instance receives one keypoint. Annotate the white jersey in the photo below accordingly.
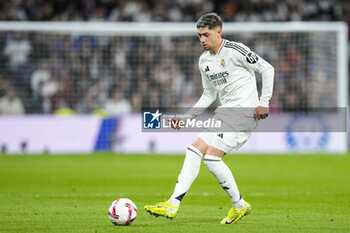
(230, 74)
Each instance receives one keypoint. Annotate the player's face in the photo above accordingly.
(210, 38)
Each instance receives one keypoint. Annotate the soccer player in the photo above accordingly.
(227, 69)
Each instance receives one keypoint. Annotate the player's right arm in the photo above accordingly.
(207, 98)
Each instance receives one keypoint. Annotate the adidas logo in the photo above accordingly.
(206, 69)
(221, 135)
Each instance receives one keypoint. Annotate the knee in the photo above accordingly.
(215, 152)
(200, 145)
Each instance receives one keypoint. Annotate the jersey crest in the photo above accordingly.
(222, 64)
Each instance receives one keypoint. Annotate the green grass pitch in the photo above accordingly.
(72, 193)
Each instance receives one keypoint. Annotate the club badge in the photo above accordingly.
(222, 63)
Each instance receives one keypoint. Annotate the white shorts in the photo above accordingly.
(226, 141)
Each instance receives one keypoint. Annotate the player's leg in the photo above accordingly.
(189, 171)
(213, 160)
(188, 174)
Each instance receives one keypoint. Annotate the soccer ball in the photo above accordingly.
(122, 211)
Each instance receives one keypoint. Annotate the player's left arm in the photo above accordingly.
(252, 61)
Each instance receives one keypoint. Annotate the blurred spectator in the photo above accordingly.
(4, 86)
(117, 105)
(275, 103)
(17, 49)
(13, 11)
(133, 10)
(39, 77)
(40, 48)
(154, 99)
(49, 90)
(96, 65)
(10, 104)
(100, 92)
(87, 104)
(136, 103)
(64, 96)
(85, 46)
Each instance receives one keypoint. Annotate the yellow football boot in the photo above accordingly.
(162, 209)
(235, 215)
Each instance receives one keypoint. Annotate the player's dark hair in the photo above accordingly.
(210, 20)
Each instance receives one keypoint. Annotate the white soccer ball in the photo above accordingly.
(122, 211)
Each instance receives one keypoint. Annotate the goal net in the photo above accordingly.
(116, 68)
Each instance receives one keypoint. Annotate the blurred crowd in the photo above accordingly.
(174, 10)
(86, 73)
(44, 73)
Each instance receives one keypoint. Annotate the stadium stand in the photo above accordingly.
(85, 73)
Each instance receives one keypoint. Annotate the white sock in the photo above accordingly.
(225, 178)
(188, 174)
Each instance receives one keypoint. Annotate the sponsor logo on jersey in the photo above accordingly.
(218, 75)
(219, 82)
(222, 64)
(218, 78)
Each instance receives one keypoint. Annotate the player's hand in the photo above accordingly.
(175, 123)
(261, 112)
